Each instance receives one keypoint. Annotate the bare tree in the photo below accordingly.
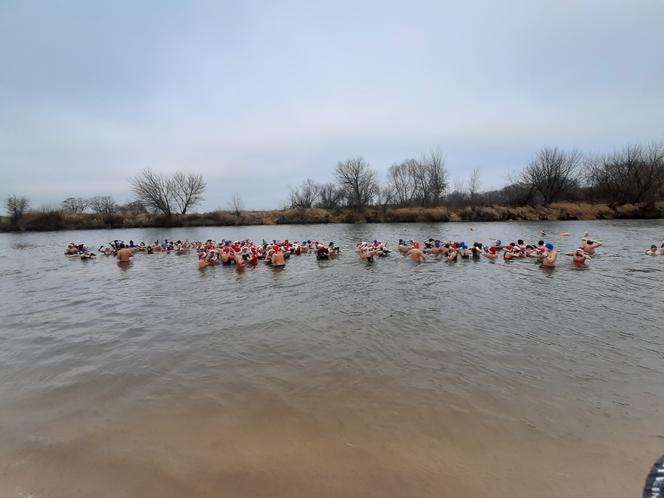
(16, 207)
(135, 206)
(305, 196)
(553, 173)
(419, 174)
(420, 182)
(474, 185)
(437, 182)
(385, 196)
(458, 196)
(155, 190)
(103, 204)
(236, 205)
(402, 184)
(632, 175)
(517, 192)
(357, 182)
(75, 204)
(329, 196)
(187, 190)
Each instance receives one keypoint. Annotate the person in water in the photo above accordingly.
(652, 251)
(124, 254)
(549, 256)
(579, 257)
(491, 253)
(463, 251)
(416, 255)
(278, 259)
(589, 246)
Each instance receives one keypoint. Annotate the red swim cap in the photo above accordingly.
(275, 247)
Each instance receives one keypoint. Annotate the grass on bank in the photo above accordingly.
(61, 220)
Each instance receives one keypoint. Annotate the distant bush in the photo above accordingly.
(47, 219)
(44, 220)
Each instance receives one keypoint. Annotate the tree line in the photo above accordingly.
(154, 192)
(632, 175)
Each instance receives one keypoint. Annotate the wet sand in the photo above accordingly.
(246, 442)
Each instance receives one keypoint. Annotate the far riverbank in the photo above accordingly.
(61, 220)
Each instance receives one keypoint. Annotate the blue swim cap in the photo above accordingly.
(549, 246)
(464, 246)
(498, 242)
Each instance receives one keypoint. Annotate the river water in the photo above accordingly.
(336, 378)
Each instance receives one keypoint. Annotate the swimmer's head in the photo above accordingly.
(549, 246)
(540, 243)
(498, 242)
(653, 247)
(520, 241)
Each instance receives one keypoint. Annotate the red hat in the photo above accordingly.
(275, 247)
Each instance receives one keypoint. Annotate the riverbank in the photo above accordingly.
(60, 220)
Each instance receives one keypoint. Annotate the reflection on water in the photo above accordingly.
(331, 378)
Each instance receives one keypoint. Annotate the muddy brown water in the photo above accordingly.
(336, 378)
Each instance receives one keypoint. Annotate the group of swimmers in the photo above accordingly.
(367, 250)
(276, 253)
(212, 253)
(543, 252)
(241, 253)
(80, 250)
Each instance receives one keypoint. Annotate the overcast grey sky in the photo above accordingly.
(258, 96)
